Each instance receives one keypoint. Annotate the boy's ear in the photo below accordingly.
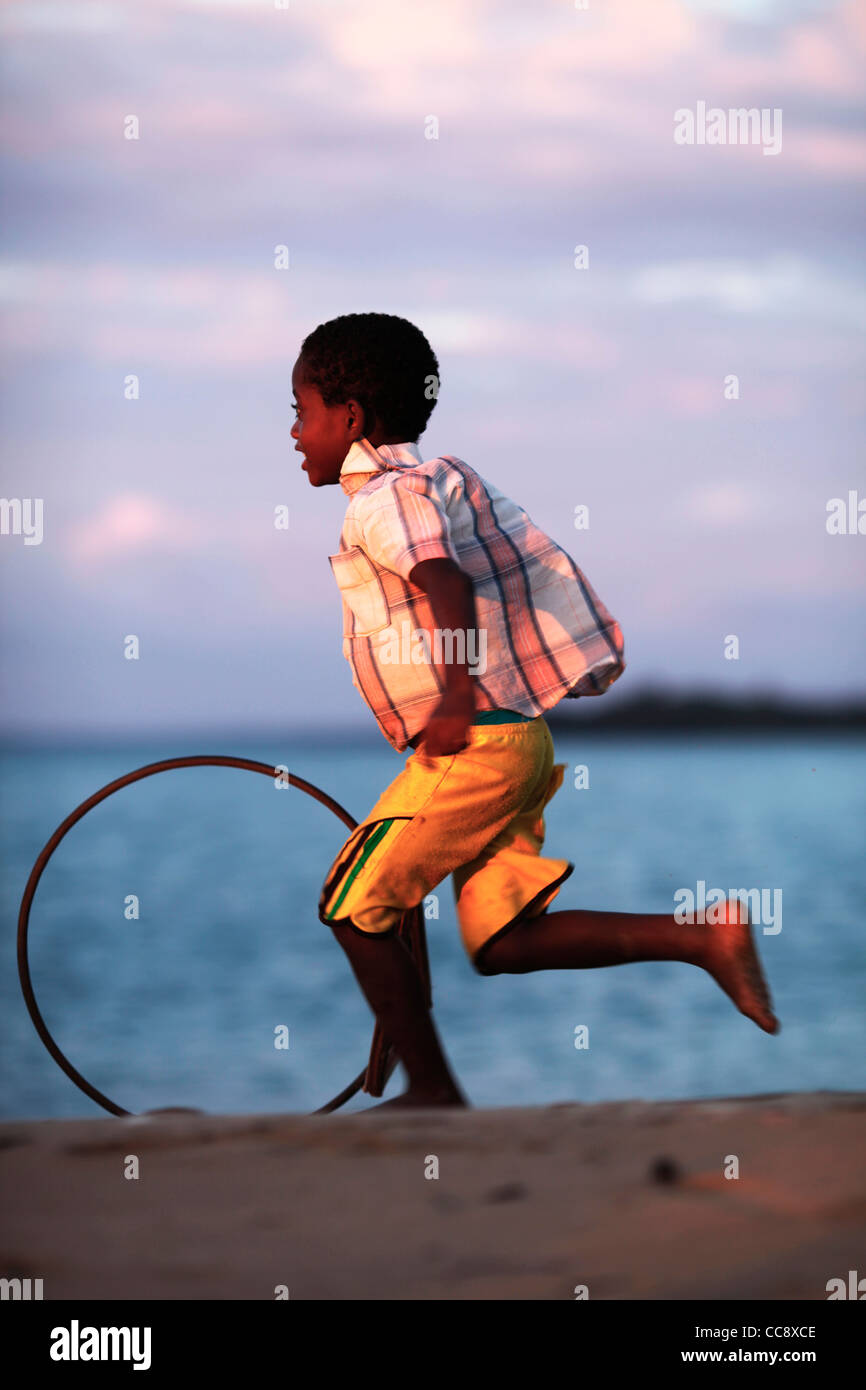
(369, 418)
(358, 418)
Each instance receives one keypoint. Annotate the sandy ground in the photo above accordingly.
(528, 1202)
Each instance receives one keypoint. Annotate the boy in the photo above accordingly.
(463, 622)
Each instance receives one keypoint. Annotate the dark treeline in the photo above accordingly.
(651, 709)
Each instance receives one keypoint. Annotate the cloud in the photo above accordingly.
(723, 504)
(776, 286)
(51, 17)
(130, 524)
(136, 315)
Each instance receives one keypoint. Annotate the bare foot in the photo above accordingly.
(733, 962)
(420, 1100)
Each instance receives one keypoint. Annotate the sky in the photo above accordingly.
(694, 377)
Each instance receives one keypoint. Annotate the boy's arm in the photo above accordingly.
(452, 599)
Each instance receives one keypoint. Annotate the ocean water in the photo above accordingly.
(179, 1007)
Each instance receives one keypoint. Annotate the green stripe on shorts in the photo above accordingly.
(370, 845)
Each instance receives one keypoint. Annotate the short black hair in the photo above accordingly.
(383, 362)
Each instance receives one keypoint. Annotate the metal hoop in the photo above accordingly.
(386, 1065)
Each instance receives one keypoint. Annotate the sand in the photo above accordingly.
(628, 1199)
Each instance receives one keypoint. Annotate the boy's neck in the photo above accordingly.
(376, 439)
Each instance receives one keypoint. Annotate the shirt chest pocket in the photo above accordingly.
(361, 587)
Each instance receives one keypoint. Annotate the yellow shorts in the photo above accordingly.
(477, 815)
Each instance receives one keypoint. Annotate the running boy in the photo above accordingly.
(462, 624)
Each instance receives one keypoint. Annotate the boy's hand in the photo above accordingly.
(447, 730)
(452, 600)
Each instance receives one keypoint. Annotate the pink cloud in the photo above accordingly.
(833, 153)
(129, 524)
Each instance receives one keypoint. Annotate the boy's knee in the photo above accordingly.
(500, 955)
(344, 928)
(377, 921)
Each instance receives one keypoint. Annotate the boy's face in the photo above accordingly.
(324, 432)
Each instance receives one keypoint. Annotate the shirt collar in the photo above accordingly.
(363, 460)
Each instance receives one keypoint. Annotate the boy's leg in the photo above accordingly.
(580, 940)
(436, 814)
(389, 979)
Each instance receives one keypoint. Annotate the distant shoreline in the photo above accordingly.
(647, 711)
(662, 712)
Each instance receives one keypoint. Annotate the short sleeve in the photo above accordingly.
(403, 523)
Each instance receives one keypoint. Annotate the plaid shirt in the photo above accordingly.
(543, 633)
